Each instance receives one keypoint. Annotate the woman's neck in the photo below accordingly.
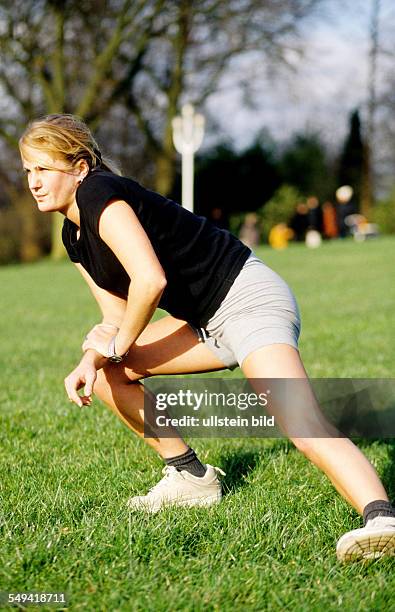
(73, 213)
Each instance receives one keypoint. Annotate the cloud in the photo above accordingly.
(330, 81)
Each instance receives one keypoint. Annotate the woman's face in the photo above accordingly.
(52, 184)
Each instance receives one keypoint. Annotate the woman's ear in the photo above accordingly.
(82, 169)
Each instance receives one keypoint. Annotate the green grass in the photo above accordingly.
(66, 472)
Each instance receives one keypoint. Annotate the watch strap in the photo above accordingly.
(111, 354)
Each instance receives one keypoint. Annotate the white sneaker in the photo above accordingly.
(180, 489)
(374, 540)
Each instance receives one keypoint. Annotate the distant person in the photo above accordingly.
(360, 227)
(249, 232)
(314, 214)
(217, 216)
(300, 222)
(330, 228)
(345, 207)
(137, 250)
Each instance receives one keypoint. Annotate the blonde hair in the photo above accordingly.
(67, 138)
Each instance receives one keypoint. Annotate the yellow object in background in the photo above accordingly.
(279, 236)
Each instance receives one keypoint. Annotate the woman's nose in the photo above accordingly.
(34, 181)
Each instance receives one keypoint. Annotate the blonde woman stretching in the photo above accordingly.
(137, 250)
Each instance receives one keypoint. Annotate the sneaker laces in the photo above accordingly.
(169, 472)
(219, 471)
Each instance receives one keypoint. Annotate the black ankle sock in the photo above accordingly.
(379, 507)
(187, 461)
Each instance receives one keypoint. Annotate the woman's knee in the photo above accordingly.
(314, 448)
(307, 446)
(112, 376)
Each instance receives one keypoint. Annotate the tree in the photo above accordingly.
(367, 187)
(65, 57)
(279, 209)
(385, 151)
(382, 110)
(199, 42)
(90, 57)
(304, 164)
(235, 182)
(351, 160)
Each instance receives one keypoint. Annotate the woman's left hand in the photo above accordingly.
(99, 338)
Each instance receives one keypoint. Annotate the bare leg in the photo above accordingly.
(126, 400)
(168, 346)
(344, 464)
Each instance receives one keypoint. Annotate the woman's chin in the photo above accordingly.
(44, 206)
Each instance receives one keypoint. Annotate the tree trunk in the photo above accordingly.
(367, 175)
(31, 247)
(166, 159)
(57, 251)
(165, 172)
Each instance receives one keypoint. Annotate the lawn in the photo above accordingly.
(66, 472)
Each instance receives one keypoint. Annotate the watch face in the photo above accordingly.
(115, 359)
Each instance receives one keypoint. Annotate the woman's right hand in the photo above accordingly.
(84, 375)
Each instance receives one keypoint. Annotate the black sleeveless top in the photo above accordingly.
(200, 261)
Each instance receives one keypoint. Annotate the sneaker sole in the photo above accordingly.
(183, 503)
(372, 545)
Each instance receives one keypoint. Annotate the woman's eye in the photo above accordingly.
(37, 169)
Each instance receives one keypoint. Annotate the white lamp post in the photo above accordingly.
(188, 132)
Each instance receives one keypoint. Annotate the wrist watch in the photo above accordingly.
(111, 354)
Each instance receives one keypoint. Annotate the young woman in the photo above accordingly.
(137, 250)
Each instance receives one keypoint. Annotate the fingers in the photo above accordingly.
(91, 344)
(89, 382)
(77, 379)
(109, 326)
(99, 338)
(86, 401)
(71, 387)
(106, 327)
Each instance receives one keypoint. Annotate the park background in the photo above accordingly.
(298, 99)
(297, 95)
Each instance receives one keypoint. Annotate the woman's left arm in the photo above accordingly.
(121, 230)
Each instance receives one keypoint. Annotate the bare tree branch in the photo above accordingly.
(103, 61)
(58, 59)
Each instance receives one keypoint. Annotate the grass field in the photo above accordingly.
(66, 472)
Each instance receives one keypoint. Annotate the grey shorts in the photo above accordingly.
(258, 310)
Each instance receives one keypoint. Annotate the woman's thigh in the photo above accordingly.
(274, 361)
(279, 369)
(167, 346)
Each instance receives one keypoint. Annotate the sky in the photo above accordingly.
(330, 81)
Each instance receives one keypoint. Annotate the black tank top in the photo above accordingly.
(200, 260)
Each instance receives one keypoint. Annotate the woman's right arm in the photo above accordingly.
(84, 375)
